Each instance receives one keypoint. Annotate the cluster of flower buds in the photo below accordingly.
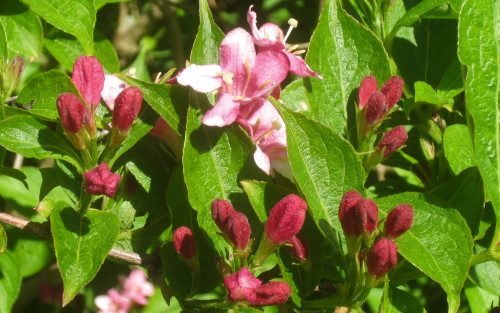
(244, 287)
(136, 290)
(281, 229)
(359, 218)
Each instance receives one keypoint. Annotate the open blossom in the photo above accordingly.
(113, 302)
(137, 288)
(101, 181)
(270, 37)
(241, 285)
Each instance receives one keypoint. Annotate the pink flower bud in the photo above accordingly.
(392, 90)
(71, 111)
(393, 140)
(286, 219)
(184, 242)
(368, 87)
(239, 230)
(367, 215)
(241, 285)
(100, 181)
(88, 77)
(375, 108)
(382, 257)
(221, 210)
(349, 201)
(127, 107)
(299, 248)
(398, 221)
(272, 293)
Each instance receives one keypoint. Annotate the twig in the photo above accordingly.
(43, 232)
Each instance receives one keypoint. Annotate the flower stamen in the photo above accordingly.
(293, 24)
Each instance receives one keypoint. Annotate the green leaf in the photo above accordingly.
(3, 239)
(478, 50)
(343, 52)
(31, 254)
(42, 91)
(396, 300)
(458, 148)
(451, 84)
(81, 244)
(10, 281)
(213, 160)
(439, 242)
(4, 53)
(425, 9)
(294, 97)
(324, 165)
(465, 193)
(480, 300)
(100, 3)
(75, 17)
(425, 93)
(66, 49)
(485, 274)
(167, 100)
(29, 137)
(22, 30)
(206, 44)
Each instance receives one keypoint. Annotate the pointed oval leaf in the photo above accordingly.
(27, 136)
(81, 244)
(343, 52)
(479, 49)
(458, 148)
(41, 93)
(75, 17)
(23, 30)
(439, 242)
(324, 165)
(10, 281)
(206, 44)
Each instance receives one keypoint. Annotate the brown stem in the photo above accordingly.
(43, 232)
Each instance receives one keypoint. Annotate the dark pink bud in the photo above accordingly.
(184, 242)
(88, 77)
(127, 107)
(239, 230)
(100, 181)
(393, 140)
(367, 215)
(368, 87)
(382, 257)
(286, 219)
(349, 201)
(71, 111)
(221, 210)
(375, 108)
(241, 285)
(274, 292)
(299, 248)
(392, 90)
(398, 221)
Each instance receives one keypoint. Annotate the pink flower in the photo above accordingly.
(270, 37)
(111, 89)
(101, 181)
(137, 288)
(88, 77)
(126, 108)
(113, 302)
(241, 285)
(382, 257)
(232, 223)
(243, 75)
(274, 292)
(299, 248)
(393, 140)
(392, 90)
(71, 111)
(184, 242)
(398, 221)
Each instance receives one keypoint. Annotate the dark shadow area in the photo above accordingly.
(74, 222)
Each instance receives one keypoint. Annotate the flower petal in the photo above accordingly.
(237, 56)
(202, 78)
(262, 160)
(271, 68)
(112, 87)
(299, 67)
(88, 77)
(223, 113)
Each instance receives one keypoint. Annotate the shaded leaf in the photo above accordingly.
(396, 300)
(458, 148)
(3, 239)
(10, 281)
